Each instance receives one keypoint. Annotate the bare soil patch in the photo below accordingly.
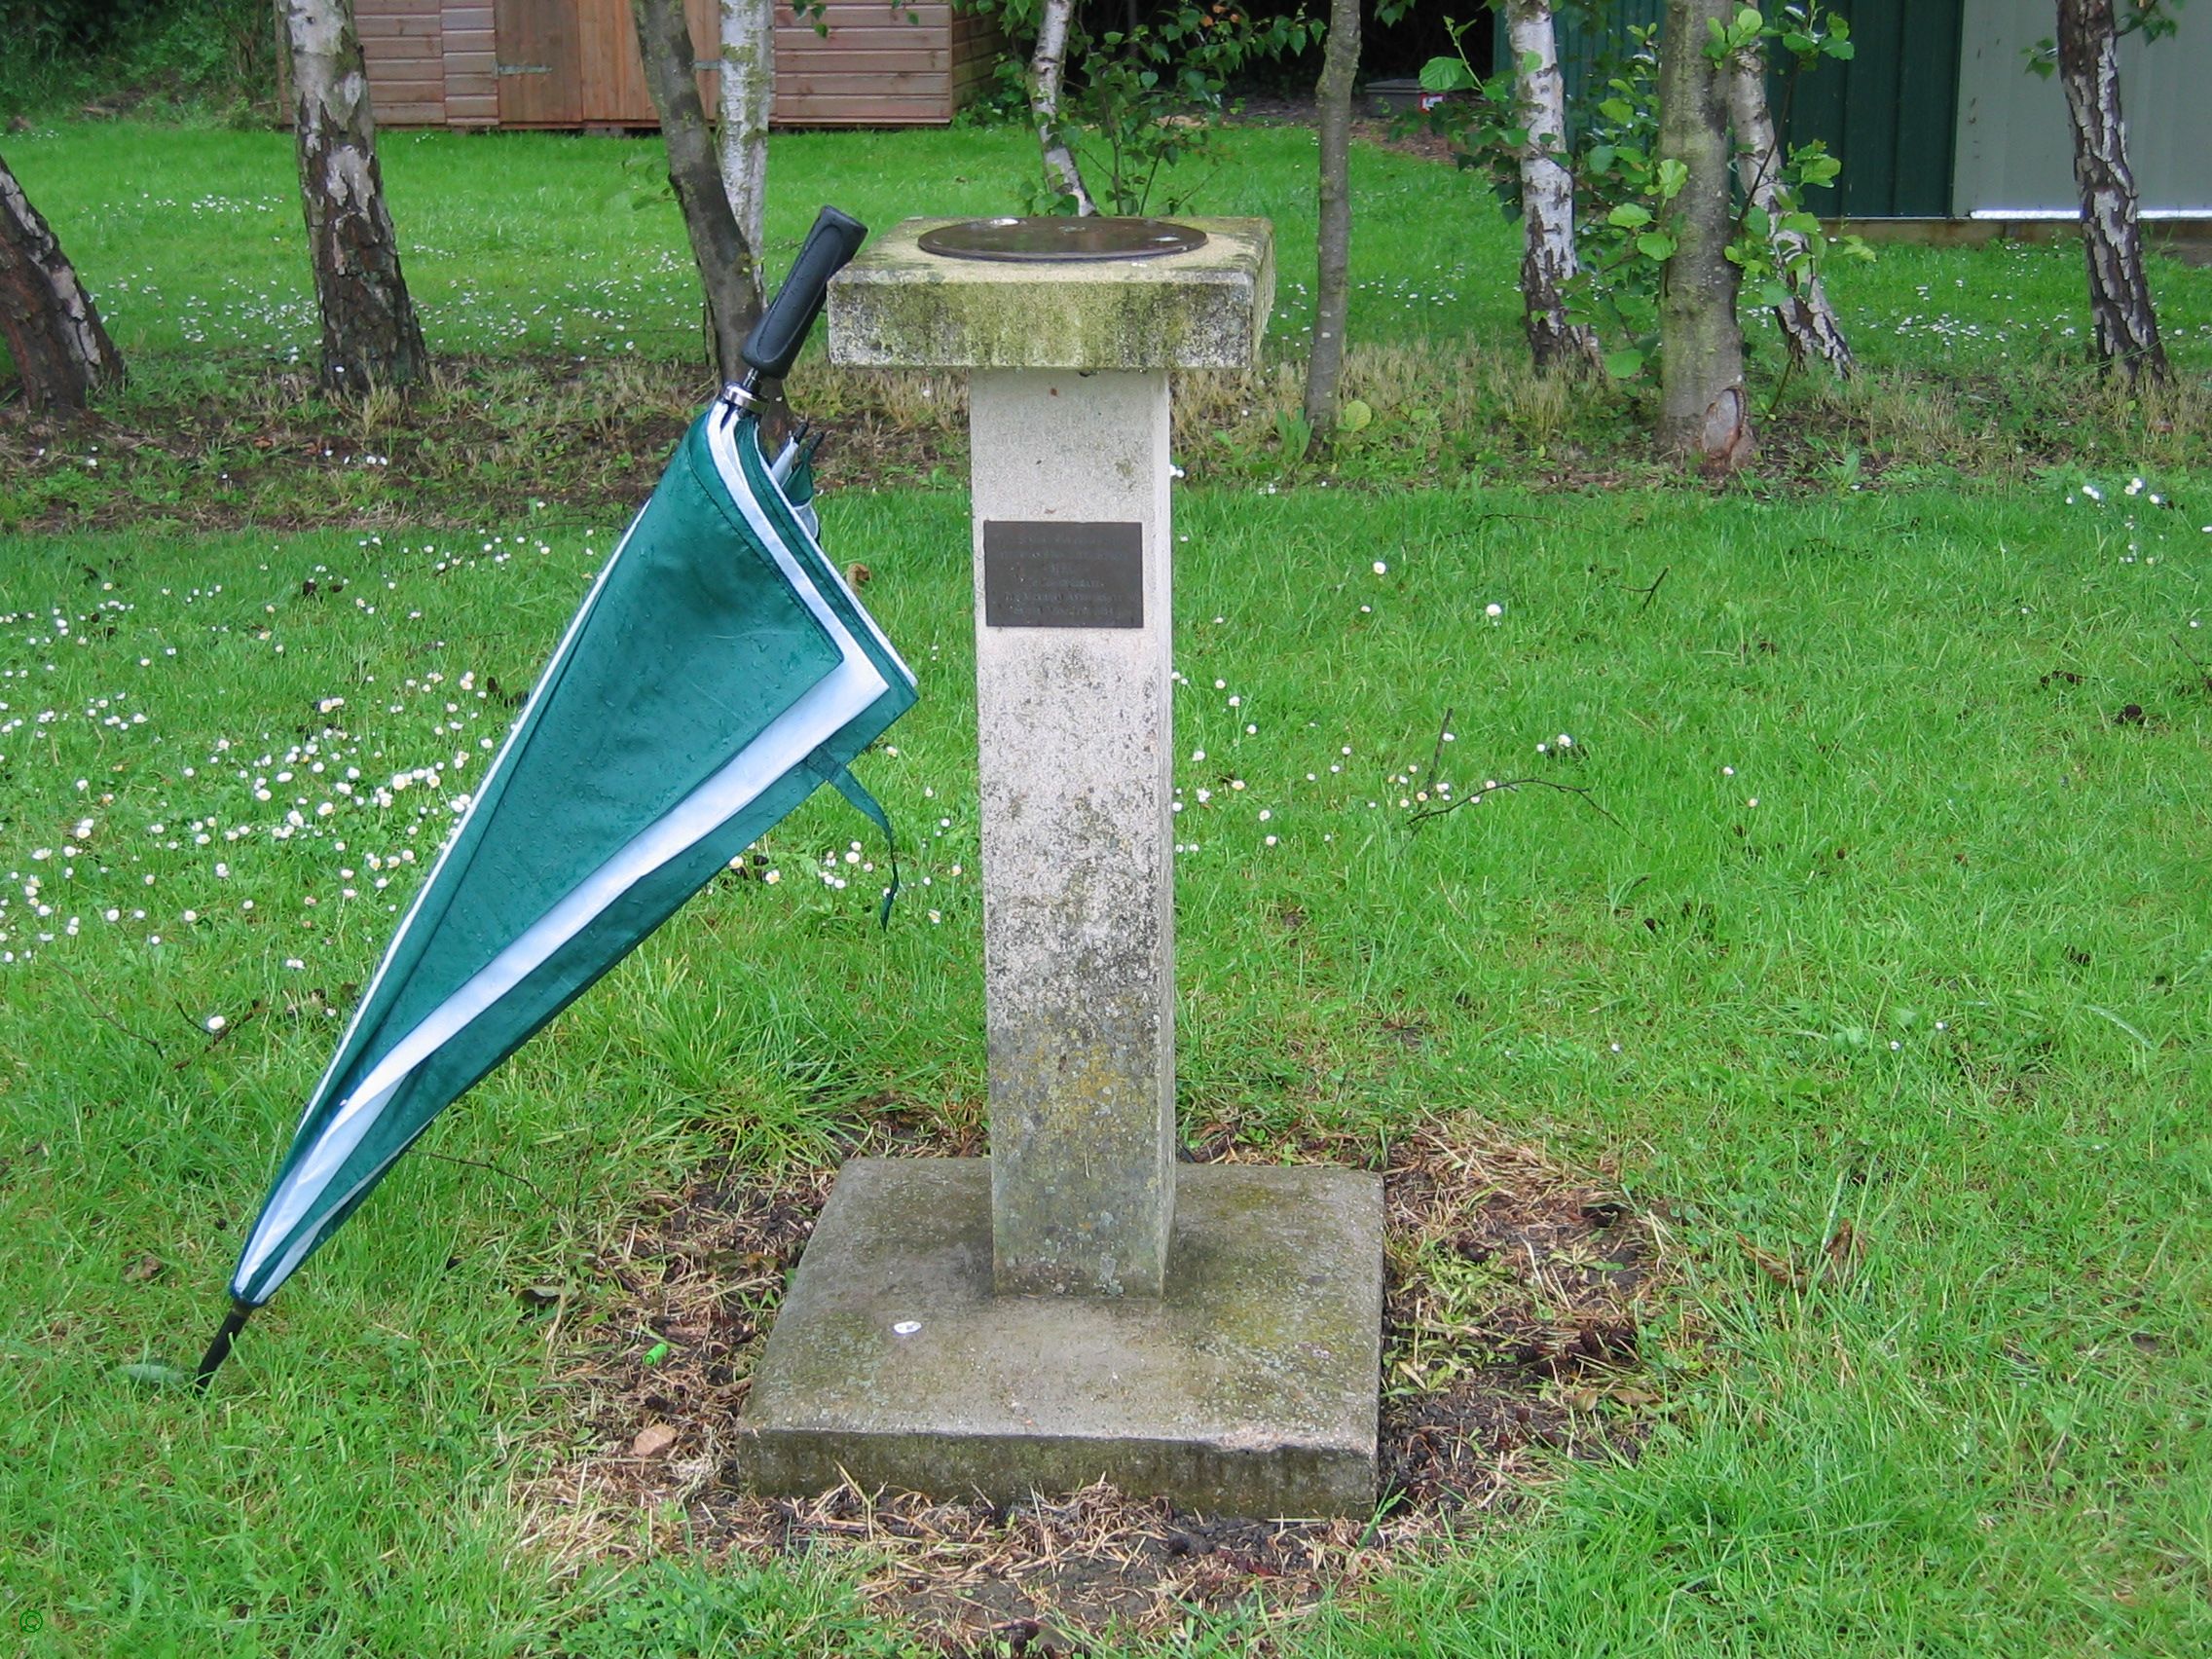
(1517, 1308)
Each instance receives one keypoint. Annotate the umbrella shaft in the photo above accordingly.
(219, 1350)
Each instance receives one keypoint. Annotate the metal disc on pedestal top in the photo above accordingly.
(1060, 241)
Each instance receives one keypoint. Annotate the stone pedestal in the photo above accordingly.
(1066, 1316)
(1079, 920)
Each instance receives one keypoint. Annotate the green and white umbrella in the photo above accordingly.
(718, 672)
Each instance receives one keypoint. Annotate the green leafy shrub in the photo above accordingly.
(195, 53)
(1140, 101)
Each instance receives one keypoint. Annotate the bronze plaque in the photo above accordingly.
(1063, 575)
(1060, 241)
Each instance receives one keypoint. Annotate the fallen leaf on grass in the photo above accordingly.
(1843, 1252)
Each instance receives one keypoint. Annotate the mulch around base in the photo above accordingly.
(1517, 1297)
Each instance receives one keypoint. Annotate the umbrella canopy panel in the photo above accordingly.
(719, 671)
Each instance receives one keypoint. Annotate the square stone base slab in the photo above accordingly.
(1249, 1389)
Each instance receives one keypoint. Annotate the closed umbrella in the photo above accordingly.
(718, 672)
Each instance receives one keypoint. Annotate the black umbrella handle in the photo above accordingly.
(772, 346)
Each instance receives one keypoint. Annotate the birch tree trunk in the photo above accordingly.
(1702, 408)
(1548, 260)
(370, 335)
(2125, 324)
(1047, 68)
(1809, 325)
(747, 89)
(54, 331)
(1325, 362)
(718, 247)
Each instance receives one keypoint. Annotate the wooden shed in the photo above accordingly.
(571, 63)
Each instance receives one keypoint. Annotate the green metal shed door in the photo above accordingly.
(1592, 36)
(1890, 113)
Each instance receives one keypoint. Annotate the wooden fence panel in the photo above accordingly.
(574, 63)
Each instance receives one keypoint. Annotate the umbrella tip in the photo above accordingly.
(219, 1350)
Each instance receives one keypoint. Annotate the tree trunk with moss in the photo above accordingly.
(1047, 68)
(1332, 292)
(1548, 262)
(1702, 413)
(370, 335)
(2125, 322)
(54, 331)
(747, 91)
(718, 248)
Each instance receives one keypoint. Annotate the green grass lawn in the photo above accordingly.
(561, 243)
(190, 240)
(554, 284)
(1887, 905)
(1895, 913)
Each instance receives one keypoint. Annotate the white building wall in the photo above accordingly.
(2015, 152)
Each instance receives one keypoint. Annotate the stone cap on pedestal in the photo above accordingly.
(899, 307)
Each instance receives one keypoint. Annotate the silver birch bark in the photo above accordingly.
(2124, 321)
(725, 260)
(747, 89)
(1548, 260)
(54, 331)
(1325, 363)
(1048, 67)
(1809, 325)
(1703, 412)
(370, 335)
